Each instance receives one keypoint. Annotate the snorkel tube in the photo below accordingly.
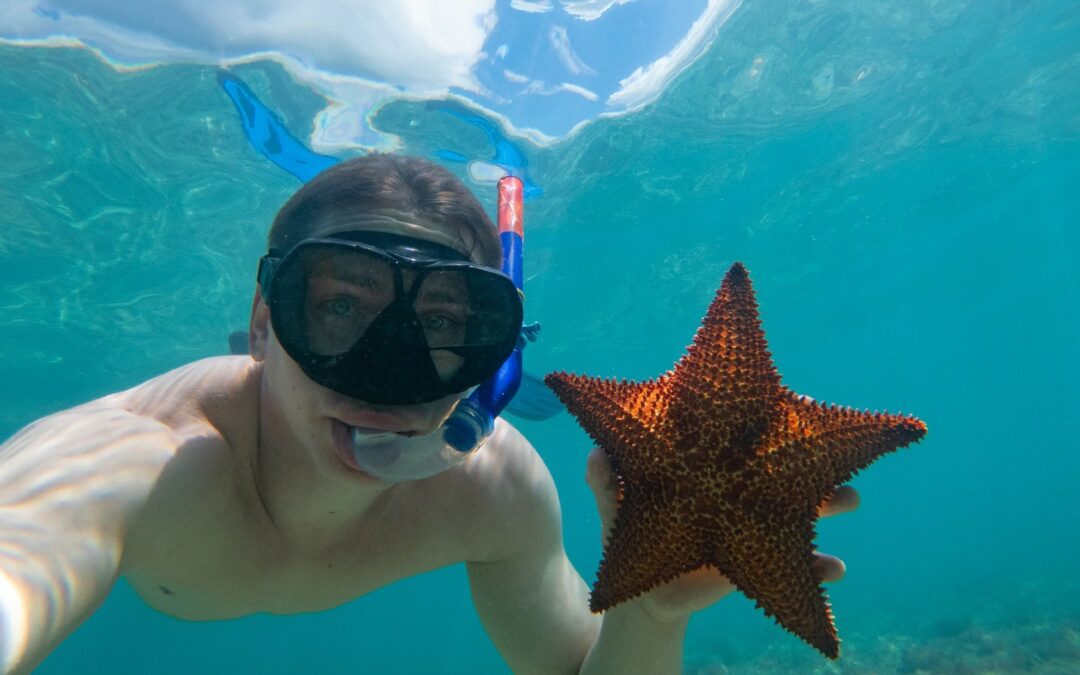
(395, 458)
(474, 418)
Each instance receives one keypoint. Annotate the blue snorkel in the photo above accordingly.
(474, 418)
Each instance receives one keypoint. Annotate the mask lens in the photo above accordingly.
(390, 330)
(344, 292)
(442, 306)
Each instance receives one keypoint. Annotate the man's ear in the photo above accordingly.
(259, 327)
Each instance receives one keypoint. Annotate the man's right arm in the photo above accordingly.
(70, 486)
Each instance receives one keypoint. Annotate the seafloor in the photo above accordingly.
(1017, 627)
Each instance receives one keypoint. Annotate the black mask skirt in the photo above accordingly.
(390, 319)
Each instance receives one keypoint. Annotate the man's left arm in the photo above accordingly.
(535, 606)
(532, 602)
(536, 612)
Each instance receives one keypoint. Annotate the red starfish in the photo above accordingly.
(720, 465)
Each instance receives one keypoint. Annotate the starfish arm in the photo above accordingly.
(616, 414)
(645, 549)
(727, 373)
(772, 563)
(823, 446)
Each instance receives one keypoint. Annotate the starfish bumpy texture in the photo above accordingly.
(719, 465)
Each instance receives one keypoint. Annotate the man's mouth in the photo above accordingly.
(374, 431)
(373, 441)
(343, 444)
(378, 423)
(379, 447)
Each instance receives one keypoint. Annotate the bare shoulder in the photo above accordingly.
(103, 458)
(515, 497)
(87, 467)
(210, 408)
(210, 391)
(513, 466)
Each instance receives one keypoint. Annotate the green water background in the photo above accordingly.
(905, 193)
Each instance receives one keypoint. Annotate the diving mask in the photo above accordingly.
(388, 319)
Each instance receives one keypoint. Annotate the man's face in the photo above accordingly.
(321, 420)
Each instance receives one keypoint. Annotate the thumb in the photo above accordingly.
(605, 487)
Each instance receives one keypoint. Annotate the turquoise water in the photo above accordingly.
(904, 195)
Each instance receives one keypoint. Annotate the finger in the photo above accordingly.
(829, 568)
(599, 474)
(845, 499)
(692, 591)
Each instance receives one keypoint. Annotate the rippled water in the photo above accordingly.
(899, 179)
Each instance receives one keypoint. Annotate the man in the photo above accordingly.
(240, 484)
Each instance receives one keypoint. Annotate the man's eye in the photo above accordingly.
(440, 322)
(339, 307)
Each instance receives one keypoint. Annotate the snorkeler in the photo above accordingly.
(278, 482)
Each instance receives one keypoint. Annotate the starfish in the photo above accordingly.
(719, 465)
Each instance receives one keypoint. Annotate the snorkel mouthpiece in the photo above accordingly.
(395, 458)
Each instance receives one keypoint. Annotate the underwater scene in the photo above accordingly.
(901, 181)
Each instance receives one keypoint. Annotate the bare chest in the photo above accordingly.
(235, 565)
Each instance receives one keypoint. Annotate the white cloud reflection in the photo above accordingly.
(559, 40)
(645, 84)
(420, 45)
(590, 10)
(532, 7)
(361, 53)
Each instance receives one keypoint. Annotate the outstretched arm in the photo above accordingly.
(69, 486)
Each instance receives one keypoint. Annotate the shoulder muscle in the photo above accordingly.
(519, 500)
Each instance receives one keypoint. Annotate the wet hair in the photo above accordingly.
(409, 185)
